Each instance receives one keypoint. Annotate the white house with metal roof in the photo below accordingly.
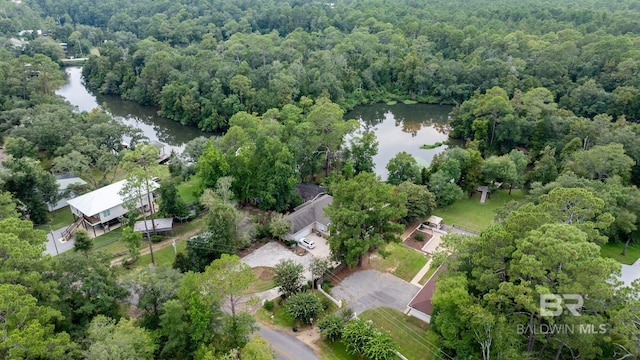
(309, 217)
(105, 205)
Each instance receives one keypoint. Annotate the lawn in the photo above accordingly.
(470, 214)
(57, 219)
(109, 242)
(187, 189)
(614, 250)
(412, 336)
(400, 261)
(425, 278)
(264, 280)
(334, 351)
(163, 257)
(280, 316)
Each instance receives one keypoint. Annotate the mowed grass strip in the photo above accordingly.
(413, 337)
(57, 219)
(400, 261)
(470, 214)
(614, 250)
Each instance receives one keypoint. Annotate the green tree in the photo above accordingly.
(257, 349)
(304, 307)
(403, 167)
(319, 267)
(28, 330)
(19, 147)
(500, 169)
(545, 169)
(154, 286)
(7, 206)
(133, 240)
(279, 225)
(29, 183)
(362, 215)
(361, 152)
(88, 287)
(420, 202)
(82, 242)
(288, 276)
(229, 277)
(601, 162)
(170, 202)
(123, 340)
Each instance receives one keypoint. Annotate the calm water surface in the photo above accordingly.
(406, 128)
(398, 127)
(157, 128)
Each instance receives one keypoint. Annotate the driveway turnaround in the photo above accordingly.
(272, 253)
(369, 289)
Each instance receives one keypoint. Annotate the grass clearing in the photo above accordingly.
(280, 315)
(163, 257)
(334, 351)
(109, 242)
(187, 189)
(614, 250)
(401, 261)
(264, 279)
(57, 219)
(412, 335)
(470, 214)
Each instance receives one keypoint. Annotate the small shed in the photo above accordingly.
(161, 225)
(434, 222)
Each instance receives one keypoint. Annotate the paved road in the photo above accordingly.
(369, 289)
(286, 346)
(62, 246)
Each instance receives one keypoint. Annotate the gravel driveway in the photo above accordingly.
(368, 289)
(271, 254)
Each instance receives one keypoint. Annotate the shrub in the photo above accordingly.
(326, 303)
(326, 287)
(156, 238)
(384, 253)
(304, 306)
(331, 327)
(268, 305)
(419, 236)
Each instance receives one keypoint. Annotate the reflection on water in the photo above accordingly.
(398, 127)
(157, 128)
(404, 128)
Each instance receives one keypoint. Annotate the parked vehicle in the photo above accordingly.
(309, 244)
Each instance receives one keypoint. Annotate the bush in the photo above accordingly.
(331, 327)
(419, 236)
(304, 306)
(326, 287)
(268, 305)
(384, 253)
(156, 238)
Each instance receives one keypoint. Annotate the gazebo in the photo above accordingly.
(434, 222)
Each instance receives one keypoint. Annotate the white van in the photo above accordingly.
(309, 244)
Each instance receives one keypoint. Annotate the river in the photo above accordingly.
(397, 127)
(157, 128)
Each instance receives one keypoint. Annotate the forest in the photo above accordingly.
(547, 102)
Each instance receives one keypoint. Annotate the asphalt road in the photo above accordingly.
(286, 346)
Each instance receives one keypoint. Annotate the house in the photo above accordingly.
(421, 306)
(308, 191)
(309, 217)
(64, 192)
(106, 206)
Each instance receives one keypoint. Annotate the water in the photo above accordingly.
(406, 128)
(398, 127)
(157, 128)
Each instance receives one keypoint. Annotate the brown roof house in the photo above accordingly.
(421, 306)
(309, 217)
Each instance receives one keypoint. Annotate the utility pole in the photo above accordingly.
(53, 238)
